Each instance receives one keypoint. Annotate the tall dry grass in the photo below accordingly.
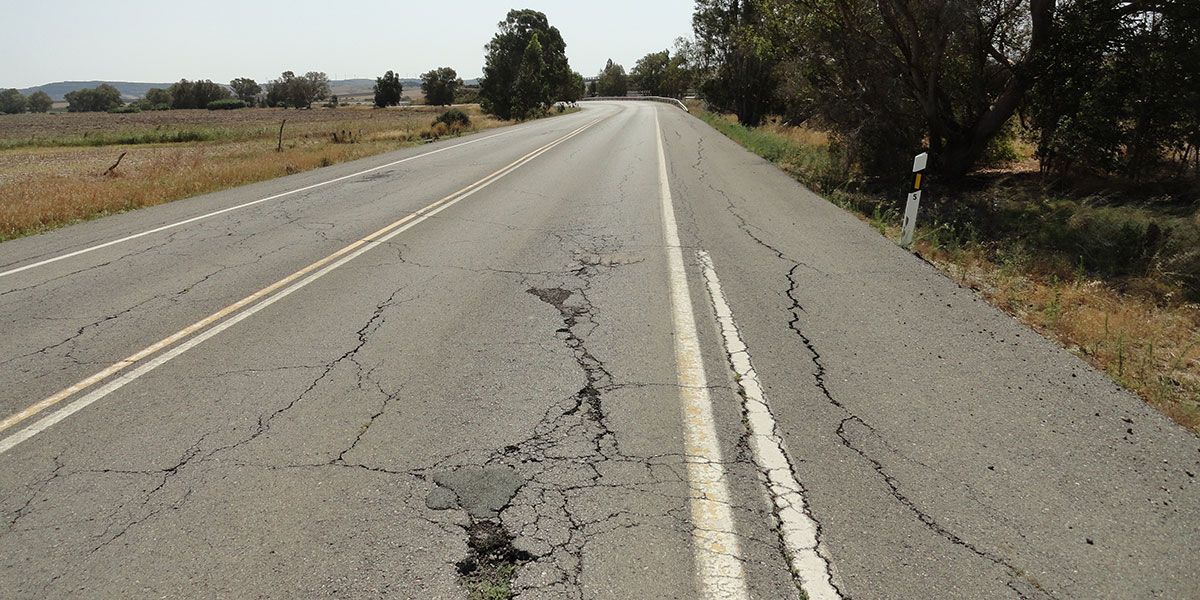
(44, 185)
(1147, 346)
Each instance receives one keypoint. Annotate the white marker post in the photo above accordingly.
(914, 199)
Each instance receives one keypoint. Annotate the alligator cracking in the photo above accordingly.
(569, 456)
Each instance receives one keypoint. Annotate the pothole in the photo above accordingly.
(483, 492)
(491, 565)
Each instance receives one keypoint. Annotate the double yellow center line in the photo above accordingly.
(177, 343)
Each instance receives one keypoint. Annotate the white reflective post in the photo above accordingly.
(914, 199)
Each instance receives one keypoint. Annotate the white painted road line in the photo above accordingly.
(241, 206)
(717, 551)
(304, 276)
(797, 530)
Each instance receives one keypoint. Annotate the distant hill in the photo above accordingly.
(131, 90)
(360, 87)
(356, 87)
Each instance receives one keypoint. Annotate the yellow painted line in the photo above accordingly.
(715, 544)
(313, 272)
(202, 217)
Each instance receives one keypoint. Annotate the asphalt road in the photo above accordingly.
(661, 366)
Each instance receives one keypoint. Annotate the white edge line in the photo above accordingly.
(46, 422)
(797, 529)
(241, 206)
(717, 550)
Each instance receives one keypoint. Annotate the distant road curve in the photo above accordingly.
(663, 99)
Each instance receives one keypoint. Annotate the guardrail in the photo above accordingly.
(664, 100)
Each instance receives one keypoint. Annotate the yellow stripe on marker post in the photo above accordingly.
(914, 199)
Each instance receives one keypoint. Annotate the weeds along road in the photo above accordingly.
(606, 355)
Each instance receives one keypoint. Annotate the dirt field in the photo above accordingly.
(52, 165)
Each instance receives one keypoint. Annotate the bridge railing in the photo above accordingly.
(662, 99)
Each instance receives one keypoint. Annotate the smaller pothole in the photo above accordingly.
(492, 562)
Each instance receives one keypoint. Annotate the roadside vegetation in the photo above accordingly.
(1113, 275)
(1064, 141)
(54, 168)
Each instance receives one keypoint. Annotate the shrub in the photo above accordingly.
(1179, 259)
(39, 102)
(194, 94)
(124, 110)
(440, 86)
(97, 99)
(1002, 149)
(1113, 241)
(227, 104)
(453, 117)
(466, 95)
(12, 102)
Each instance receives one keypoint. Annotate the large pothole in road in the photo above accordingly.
(483, 492)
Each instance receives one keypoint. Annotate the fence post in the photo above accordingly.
(914, 199)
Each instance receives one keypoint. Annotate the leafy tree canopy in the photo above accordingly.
(388, 90)
(506, 59)
(39, 102)
(12, 102)
(440, 86)
(612, 80)
(98, 99)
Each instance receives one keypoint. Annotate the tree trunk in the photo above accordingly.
(963, 154)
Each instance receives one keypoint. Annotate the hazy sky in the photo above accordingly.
(162, 41)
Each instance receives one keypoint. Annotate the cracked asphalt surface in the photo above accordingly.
(510, 361)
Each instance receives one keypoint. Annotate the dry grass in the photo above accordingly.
(801, 136)
(49, 178)
(1147, 346)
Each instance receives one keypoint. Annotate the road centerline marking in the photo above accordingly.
(289, 285)
(129, 238)
(716, 548)
(797, 529)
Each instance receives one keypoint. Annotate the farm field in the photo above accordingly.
(53, 166)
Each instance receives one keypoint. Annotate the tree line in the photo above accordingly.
(290, 90)
(526, 72)
(1100, 86)
(655, 74)
(441, 86)
(13, 102)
